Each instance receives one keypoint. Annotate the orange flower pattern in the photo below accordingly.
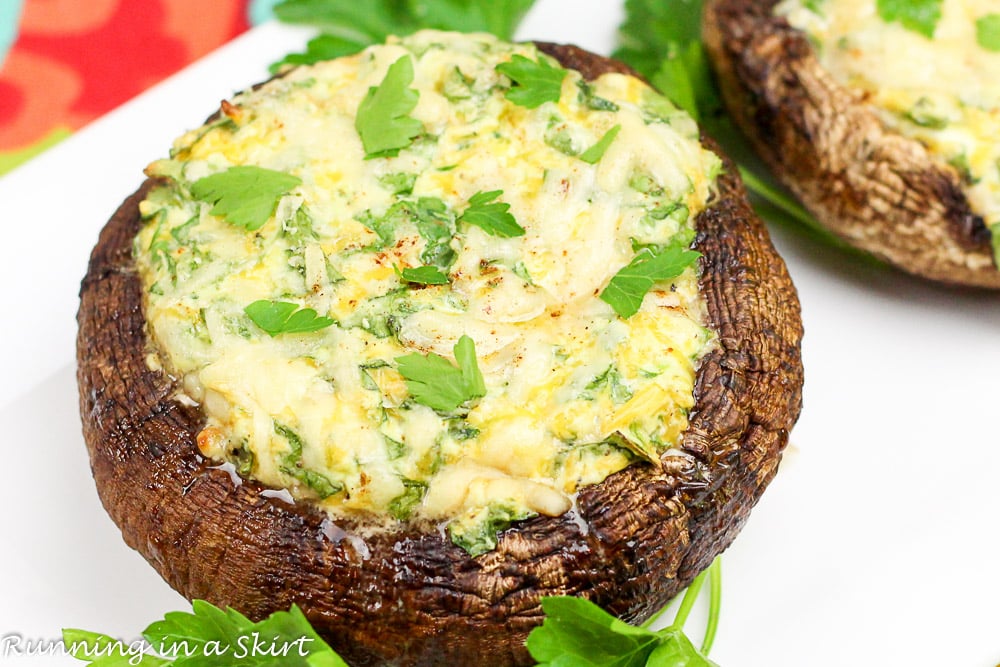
(73, 61)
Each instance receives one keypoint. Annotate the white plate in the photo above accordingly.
(876, 544)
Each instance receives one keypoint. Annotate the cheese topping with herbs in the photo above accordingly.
(460, 304)
(942, 89)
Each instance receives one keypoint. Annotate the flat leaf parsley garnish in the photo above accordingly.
(578, 633)
(628, 287)
(493, 218)
(281, 317)
(920, 16)
(348, 27)
(425, 275)
(383, 122)
(535, 83)
(210, 636)
(245, 196)
(433, 381)
(988, 32)
(593, 154)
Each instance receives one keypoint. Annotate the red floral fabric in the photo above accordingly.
(74, 60)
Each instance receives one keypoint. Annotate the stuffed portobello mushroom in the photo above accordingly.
(882, 119)
(417, 337)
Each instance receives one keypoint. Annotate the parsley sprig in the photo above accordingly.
(920, 16)
(988, 32)
(245, 196)
(348, 27)
(492, 217)
(383, 121)
(629, 286)
(575, 633)
(210, 636)
(424, 275)
(578, 633)
(282, 317)
(535, 82)
(433, 381)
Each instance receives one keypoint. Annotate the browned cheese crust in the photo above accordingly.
(879, 191)
(411, 597)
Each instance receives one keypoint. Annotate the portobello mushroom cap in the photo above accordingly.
(413, 597)
(878, 190)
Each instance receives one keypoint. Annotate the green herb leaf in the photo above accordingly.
(292, 465)
(920, 16)
(653, 28)
(425, 275)
(104, 651)
(383, 122)
(492, 218)
(593, 154)
(281, 317)
(433, 381)
(676, 650)
(628, 287)
(402, 506)
(535, 82)
(479, 534)
(319, 48)
(371, 21)
(995, 233)
(499, 18)
(988, 32)
(244, 196)
(212, 636)
(578, 632)
(592, 101)
(436, 225)
(365, 22)
(435, 222)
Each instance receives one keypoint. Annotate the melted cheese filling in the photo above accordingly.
(574, 392)
(944, 91)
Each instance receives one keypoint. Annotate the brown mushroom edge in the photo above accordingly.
(879, 191)
(410, 597)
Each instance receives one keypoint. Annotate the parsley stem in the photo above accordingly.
(777, 198)
(687, 604)
(714, 604)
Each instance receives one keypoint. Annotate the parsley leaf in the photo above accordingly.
(244, 196)
(661, 41)
(592, 101)
(492, 218)
(319, 48)
(628, 287)
(579, 628)
(593, 154)
(433, 381)
(382, 121)
(371, 21)
(535, 82)
(208, 636)
(920, 16)
(426, 275)
(292, 465)
(281, 317)
(988, 32)
(499, 18)
(578, 633)
(348, 27)
(364, 22)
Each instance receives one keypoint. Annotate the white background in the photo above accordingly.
(877, 544)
